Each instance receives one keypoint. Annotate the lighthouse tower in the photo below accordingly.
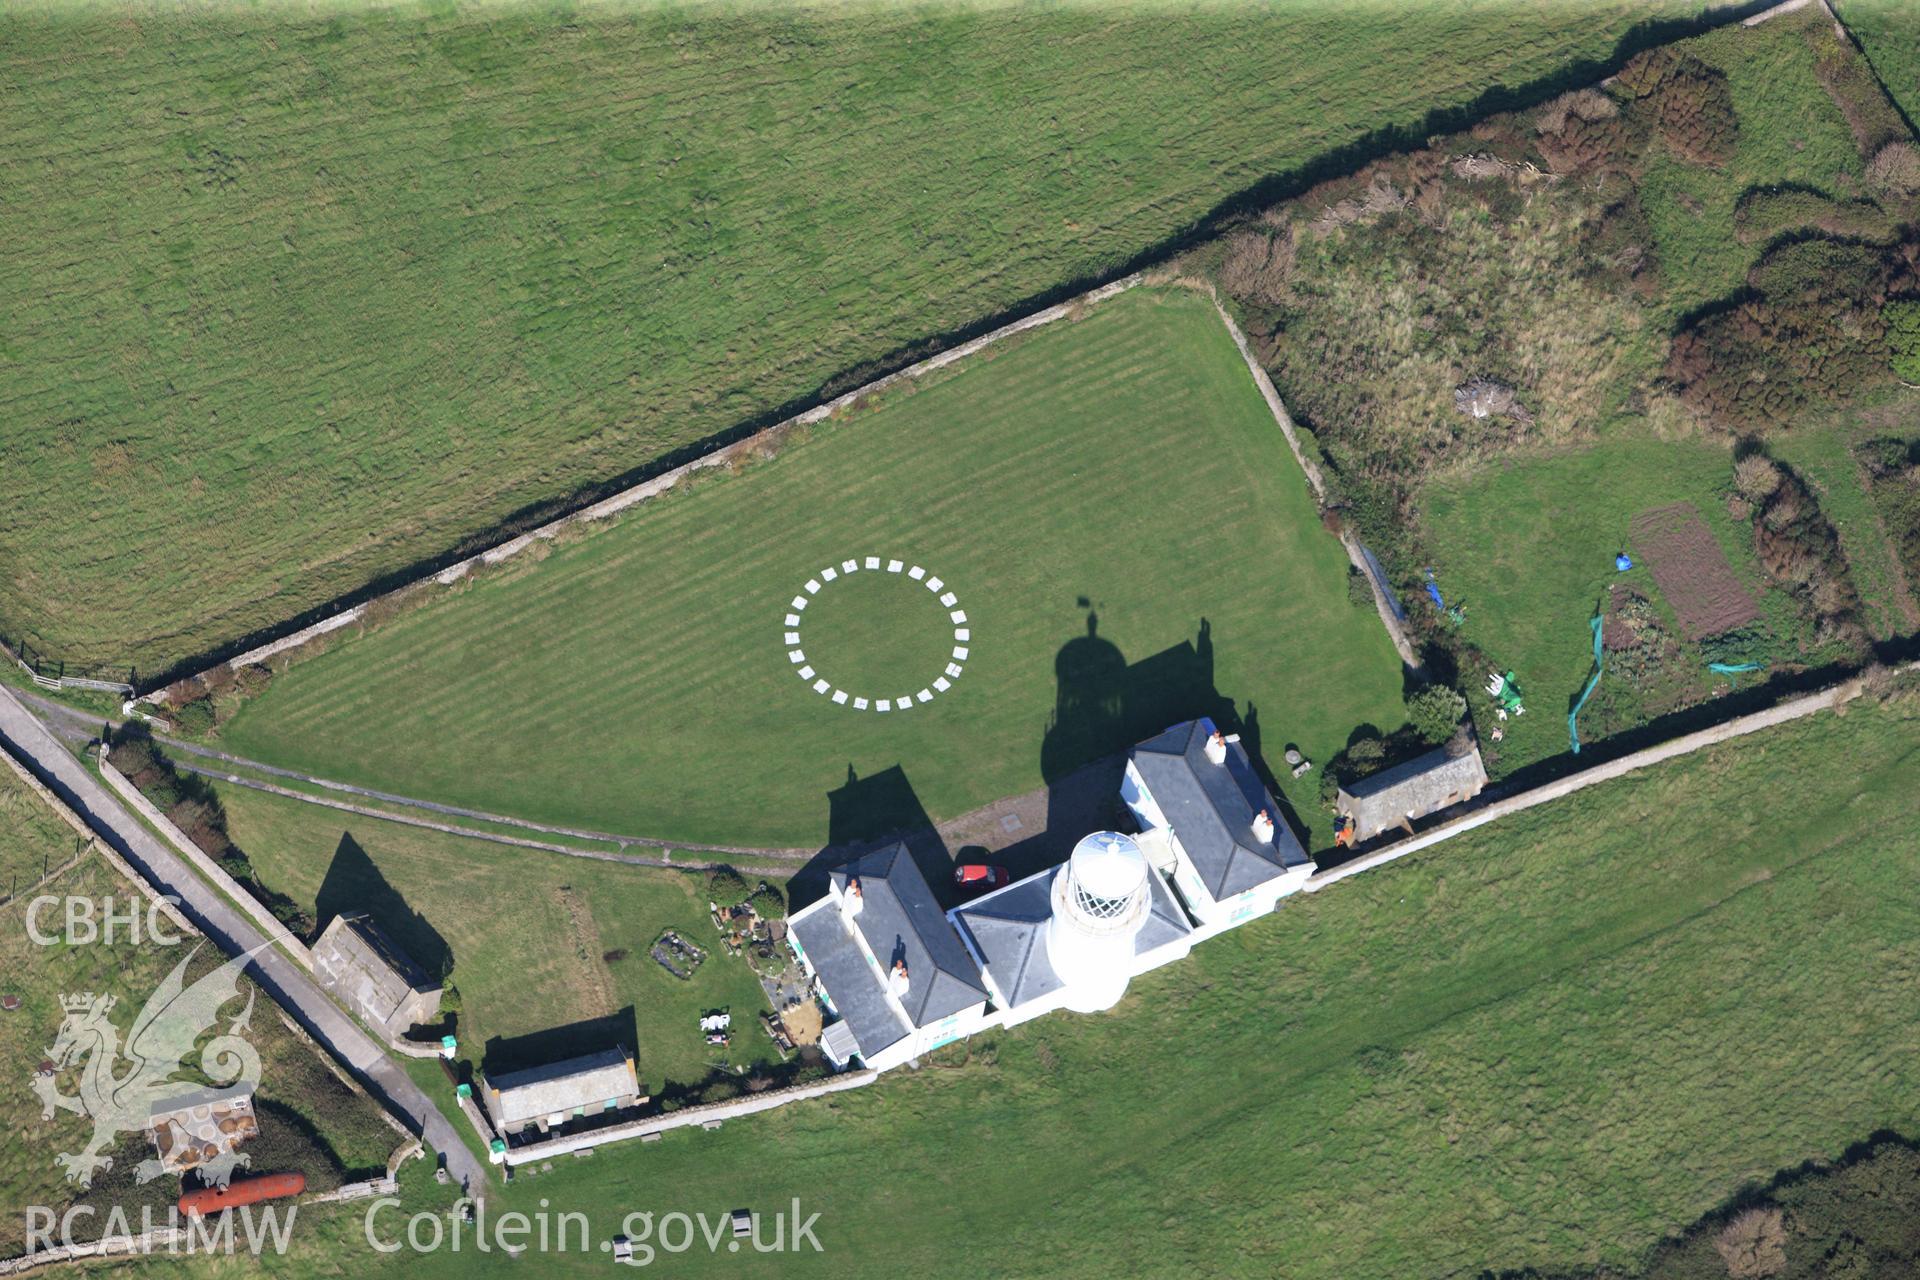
(1100, 900)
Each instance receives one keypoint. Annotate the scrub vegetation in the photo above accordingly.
(1515, 347)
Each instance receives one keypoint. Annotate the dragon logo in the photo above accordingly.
(164, 1035)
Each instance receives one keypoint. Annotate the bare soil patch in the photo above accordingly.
(1693, 573)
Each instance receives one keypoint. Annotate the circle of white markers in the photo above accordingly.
(797, 656)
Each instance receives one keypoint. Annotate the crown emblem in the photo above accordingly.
(83, 1001)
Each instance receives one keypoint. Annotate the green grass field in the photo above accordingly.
(299, 297)
(536, 966)
(1121, 466)
(1886, 32)
(1547, 1043)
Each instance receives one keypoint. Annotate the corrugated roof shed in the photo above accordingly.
(1211, 808)
(1423, 785)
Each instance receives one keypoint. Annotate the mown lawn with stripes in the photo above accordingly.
(1108, 498)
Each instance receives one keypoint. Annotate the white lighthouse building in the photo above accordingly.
(1073, 936)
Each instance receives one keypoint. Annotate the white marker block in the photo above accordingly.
(821, 686)
(840, 696)
(792, 619)
(925, 695)
(958, 615)
(961, 633)
(796, 655)
(934, 584)
(953, 669)
(916, 573)
(949, 600)
(895, 566)
(943, 684)
(883, 705)
(813, 586)
(859, 704)
(873, 562)
(829, 573)
(849, 566)
(806, 673)
(960, 652)
(799, 602)
(792, 637)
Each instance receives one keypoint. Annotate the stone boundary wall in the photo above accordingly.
(213, 872)
(1835, 698)
(167, 906)
(619, 502)
(1391, 616)
(709, 1115)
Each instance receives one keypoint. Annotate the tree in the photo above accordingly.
(1435, 711)
(767, 902)
(727, 887)
(1903, 336)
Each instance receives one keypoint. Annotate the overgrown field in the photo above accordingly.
(297, 298)
(1108, 500)
(533, 941)
(309, 1120)
(1513, 344)
(1547, 1044)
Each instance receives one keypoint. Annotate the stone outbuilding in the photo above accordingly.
(366, 971)
(1400, 796)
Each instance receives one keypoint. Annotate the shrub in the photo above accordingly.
(1435, 711)
(727, 887)
(1756, 477)
(767, 902)
(1895, 169)
(194, 719)
(1754, 1244)
(1367, 750)
(614, 956)
(1580, 131)
(1690, 104)
(1903, 338)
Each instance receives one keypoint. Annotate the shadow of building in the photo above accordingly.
(555, 1044)
(354, 883)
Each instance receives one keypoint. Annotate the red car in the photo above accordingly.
(973, 878)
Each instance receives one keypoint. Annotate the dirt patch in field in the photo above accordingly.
(1693, 573)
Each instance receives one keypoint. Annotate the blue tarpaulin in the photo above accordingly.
(1599, 662)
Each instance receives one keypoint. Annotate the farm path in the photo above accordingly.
(289, 986)
(78, 726)
(1038, 825)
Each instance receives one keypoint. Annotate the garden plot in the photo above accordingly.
(1693, 572)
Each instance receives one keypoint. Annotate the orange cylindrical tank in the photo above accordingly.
(211, 1200)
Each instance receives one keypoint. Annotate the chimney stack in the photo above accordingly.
(1263, 827)
(1217, 748)
(853, 899)
(897, 980)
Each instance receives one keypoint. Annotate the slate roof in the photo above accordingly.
(586, 1081)
(372, 969)
(1416, 788)
(900, 919)
(1211, 808)
(1008, 928)
(850, 982)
